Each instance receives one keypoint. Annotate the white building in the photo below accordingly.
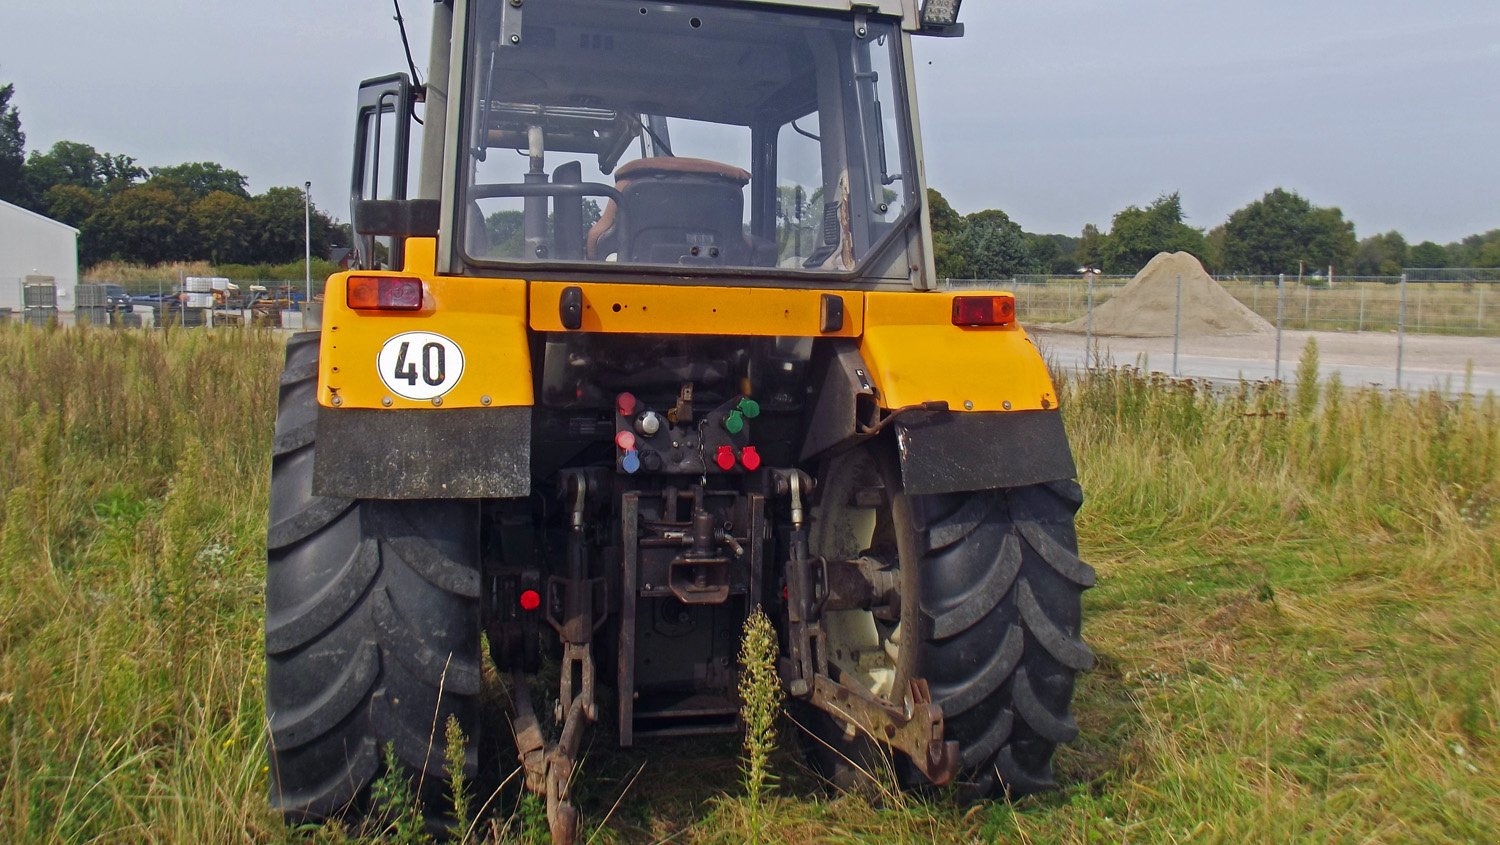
(33, 245)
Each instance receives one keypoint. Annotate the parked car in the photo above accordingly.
(115, 297)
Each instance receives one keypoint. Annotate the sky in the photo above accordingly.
(1061, 112)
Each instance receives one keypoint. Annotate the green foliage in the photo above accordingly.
(1380, 255)
(1281, 232)
(1476, 251)
(394, 805)
(12, 147)
(455, 745)
(71, 204)
(146, 224)
(1090, 249)
(760, 707)
(1138, 234)
(947, 225)
(225, 224)
(185, 212)
(991, 246)
(1428, 254)
(202, 178)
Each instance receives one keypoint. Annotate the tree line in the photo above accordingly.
(195, 211)
(1281, 232)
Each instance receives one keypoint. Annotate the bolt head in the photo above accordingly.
(337, 401)
(1005, 404)
(484, 400)
(968, 404)
(387, 401)
(515, 39)
(437, 402)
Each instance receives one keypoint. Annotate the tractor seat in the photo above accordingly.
(682, 211)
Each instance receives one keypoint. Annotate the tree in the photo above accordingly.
(947, 225)
(1213, 249)
(12, 147)
(278, 227)
(202, 178)
(1281, 231)
(223, 222)
(1380, 255)
(991, 246)
(70, 204)
(1476, 251)
(144, 223)
(1138, 234)
(1052, 254)
(1428, 254)
(66, 163)
(1090, 251)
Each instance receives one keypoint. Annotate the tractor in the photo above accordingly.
(643, 336)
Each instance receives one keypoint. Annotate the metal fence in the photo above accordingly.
(1363, 326)
(1350, 304)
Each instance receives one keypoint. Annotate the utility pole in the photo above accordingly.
(307, 239)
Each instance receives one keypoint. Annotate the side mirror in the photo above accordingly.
(382, 150)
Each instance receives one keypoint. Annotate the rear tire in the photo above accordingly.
(1002, 589)
(999, 606)
(372, 625)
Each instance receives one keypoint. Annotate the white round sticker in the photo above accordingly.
(420, 365)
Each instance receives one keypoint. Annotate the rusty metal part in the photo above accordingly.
(862, 584)
(549, 768)
(577, 599)
(914, 728)
(804, 613)
(908, 415)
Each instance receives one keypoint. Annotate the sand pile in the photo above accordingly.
(1147, 306)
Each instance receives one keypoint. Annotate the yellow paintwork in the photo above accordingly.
(485, 317)
(916, 354)
(676, 309)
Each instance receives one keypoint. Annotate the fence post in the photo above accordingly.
(1280, 309)
(1307, 307)
(1088, 323)
(1401, 332)
(1177, 327)
(1361, 308)
(1479, 314)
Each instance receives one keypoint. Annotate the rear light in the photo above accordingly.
(374, 293)
(530, 600)
(992, 310)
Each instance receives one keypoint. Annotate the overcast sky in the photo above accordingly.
(1059, 112)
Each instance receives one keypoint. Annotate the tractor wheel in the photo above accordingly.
(991, 592)
(372, 626)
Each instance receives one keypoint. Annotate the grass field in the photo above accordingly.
(1297, 620)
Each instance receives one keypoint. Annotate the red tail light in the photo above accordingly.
(530, 600)
(374, 293)
(992, 310)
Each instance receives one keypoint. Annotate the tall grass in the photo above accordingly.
(130, 584)
(1298, 619)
